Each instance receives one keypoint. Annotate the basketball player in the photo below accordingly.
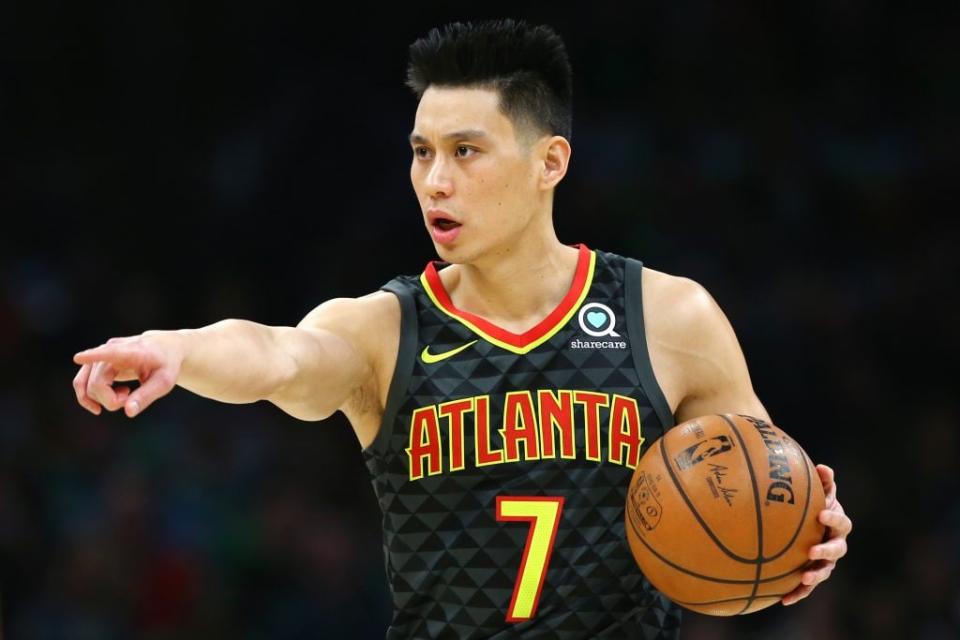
(502, 397)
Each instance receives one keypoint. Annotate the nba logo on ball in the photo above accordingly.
(597, 319)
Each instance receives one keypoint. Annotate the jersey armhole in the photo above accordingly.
(633, 294)
(403, 369)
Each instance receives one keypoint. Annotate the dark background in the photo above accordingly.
(165, 167)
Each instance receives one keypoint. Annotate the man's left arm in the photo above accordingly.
(716, 381)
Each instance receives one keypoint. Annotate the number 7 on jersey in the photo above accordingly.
(543, 514)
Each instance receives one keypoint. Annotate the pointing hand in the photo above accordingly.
(153, 358)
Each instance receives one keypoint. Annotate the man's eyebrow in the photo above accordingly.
(466, 134)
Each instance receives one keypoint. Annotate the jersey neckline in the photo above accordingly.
(533, 337)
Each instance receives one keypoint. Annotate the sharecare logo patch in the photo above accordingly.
(597, 320)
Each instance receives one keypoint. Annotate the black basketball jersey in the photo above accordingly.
(503, 461)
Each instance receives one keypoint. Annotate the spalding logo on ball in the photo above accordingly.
(722, 512)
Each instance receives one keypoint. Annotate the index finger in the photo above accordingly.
(116, 352)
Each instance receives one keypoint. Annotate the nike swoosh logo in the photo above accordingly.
(430, 358)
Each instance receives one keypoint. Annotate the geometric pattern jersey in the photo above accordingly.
(459, 568)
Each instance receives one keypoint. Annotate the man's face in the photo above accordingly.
(469, 168)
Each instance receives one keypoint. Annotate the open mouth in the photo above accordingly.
(445, 224)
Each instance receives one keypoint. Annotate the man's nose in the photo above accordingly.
(438, 179)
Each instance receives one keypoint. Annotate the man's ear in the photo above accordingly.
(555, 153)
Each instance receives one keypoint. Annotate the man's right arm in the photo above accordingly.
(309, 371)
(306, 371)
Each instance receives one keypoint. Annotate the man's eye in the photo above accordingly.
(461, 151)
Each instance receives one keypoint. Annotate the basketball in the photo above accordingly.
(721, 514)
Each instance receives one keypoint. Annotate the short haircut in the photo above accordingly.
(527, 66)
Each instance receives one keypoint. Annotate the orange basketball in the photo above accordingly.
(722, 512)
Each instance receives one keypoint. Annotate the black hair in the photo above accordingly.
(527, 66)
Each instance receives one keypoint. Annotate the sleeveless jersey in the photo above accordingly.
(503, 461)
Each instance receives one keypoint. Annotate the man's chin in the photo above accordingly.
(451, 254)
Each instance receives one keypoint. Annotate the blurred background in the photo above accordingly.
(166, 166)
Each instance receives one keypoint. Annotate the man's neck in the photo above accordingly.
(515, 287)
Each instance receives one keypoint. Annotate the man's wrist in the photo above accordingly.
(174, 342)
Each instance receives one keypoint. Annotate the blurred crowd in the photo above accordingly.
(172, 169)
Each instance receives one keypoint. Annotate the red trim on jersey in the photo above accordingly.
(518, 340)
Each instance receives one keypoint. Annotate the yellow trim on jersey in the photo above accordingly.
(536, 343)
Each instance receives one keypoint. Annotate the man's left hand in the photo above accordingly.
(828, 552)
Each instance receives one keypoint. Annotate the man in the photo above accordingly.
(503, 396)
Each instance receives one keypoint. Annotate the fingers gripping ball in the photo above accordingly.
(721, 513)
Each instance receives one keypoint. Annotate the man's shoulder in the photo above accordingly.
(683, 300)
(377, 309)
(677, 307)
(672, 287)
